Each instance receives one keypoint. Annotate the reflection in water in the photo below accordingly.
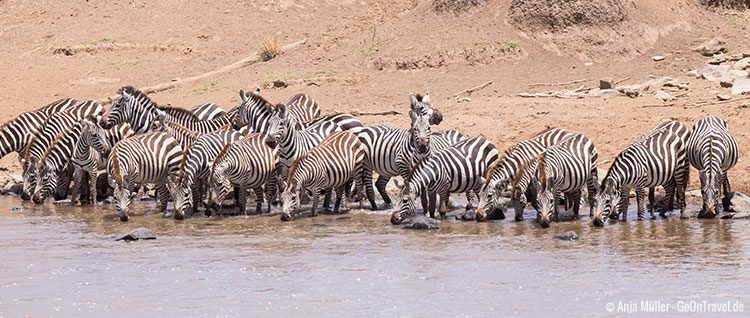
(57, 260)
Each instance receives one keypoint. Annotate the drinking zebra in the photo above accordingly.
(15, 135)
(566, 167)
(712, 150)
(332, 164)
(54, 162)
(195, 169)
(459, 168)
(654, 159)
(247, 164)
(504, 170)
(54, 125)
(137, 109)
(207, 111)
(255, 111)
(140, 159)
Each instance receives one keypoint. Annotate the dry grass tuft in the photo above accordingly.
(269, 49)
(729, 4)
(455, 6)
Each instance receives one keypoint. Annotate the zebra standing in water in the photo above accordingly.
(654, 159)
(566, 167)
(712, 150)
(207, 111)
(503, 171)
(137, 109)
(332, 164)
(54, 125)
(255, 111)
(390, 150)
(145, 158)
(248, 164)
(15, 135)
(460, 168)
(54, 161)
(195, 169)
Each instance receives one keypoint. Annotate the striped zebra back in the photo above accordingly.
(330, 164)
(712, 130)
(137, 109)
(566, 165)
(185, 136)
(145, 158)
(248, 162)
(303, 108)
(254, 111)
(343, 120)
(54, 161)
(199, 158)
(293, 141)
(207, 111)
(383, 144)
(57, 106)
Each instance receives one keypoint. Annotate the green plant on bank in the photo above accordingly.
(186, 44)
(283, 75)
(373, 46)
(94, 42)
(724, 51)
(320, 74)
(208, 87)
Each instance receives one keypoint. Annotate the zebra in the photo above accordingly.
(54, 125)
(343, 120)
(207, 111)
(332, 164)
(255, 111)
(566, 167)
(202, 126)
(656, 158)
(390, 150)
(504, 170)
(145, 158)
(137, 109)
(460, 168)
(15, 135)
(712, 150)
(54, 162)
(185, 136)
(195, 169)
(524, 188)
(248, 164)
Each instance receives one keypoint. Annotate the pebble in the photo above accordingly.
(567, 236)
(724, 97)
(657, 58)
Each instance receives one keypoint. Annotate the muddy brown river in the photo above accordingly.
(59, 260)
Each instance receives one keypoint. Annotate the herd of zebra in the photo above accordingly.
(290, 153)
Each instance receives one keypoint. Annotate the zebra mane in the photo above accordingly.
(185, 156)
(295, 166)
(178, 111)
(26, 151)
(545, 130)
(520, 172)
(255, 98)
(182, 129)
(495, 165)
(116, 165)
(413, 170)
(542, 172)
(219, 157)
(710, 157)
(52, 145)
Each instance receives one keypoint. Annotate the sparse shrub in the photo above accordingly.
(731, 4)
(455, 6)
(558, 15)
(269, 49)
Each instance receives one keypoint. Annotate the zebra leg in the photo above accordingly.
(576, 197)
(680, 190)
(327, 200)
(163, 193)
(592, 187)
(726, 204)
(425, 203)
(431, 204)
(651, 202)
(469, 198)
(622, 207)
(369, 191)
(241, 200)
(339, 195)
(380, 185)
(640, 195)
(270, 192)
(669, 194)
(315, 196)
(77, 176)
(92, 186)
(259, 200)
(444, 197)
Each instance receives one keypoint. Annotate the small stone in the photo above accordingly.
(567, 236)
(714, 72)
(660, 94)
(420, 222)
(657, 58)
(742, 64)
(718, 59)
(736, 202)
(603, 93)
(140, 233)
(724, 97)
(744, 105)
(279, 84)
(746, 53)
(693, 73)
(470, 215)
(711, 47)
(726, 82)
(588, 63)
(606, 83)
(741, 86)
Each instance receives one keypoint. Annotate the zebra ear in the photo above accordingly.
(426, 98)
(257, 91)
(413, 116)
(281, 108)
(243, 96)
(413, 100)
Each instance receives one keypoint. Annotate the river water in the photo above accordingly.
(59, 260)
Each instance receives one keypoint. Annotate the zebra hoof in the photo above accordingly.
(518, 218)
(684, 217)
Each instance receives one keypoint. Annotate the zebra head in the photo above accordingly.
(546, 198)
(405, 206)
(123, 196)
(46, 182)
(278, 126)
(254, 111)
(420, 134)
(95, 136)
(29, 178)
(606, 201)
(121, 109)
(218, 185)
(518, 199)
(290, 200)
(421, 105)
(490, 205)
(182, 196)
(710, 190)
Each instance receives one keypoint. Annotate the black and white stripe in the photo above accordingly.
(712, 150)
(460, 168)
(185, 136)
(255, 111)
(54, 162)
(303, 108)
(141, 159)
(207, 111)
(566, 167)
(16, 134)
(503, 172)
(137, 109)
(196, 168)
(333, 164)
(247, 164)
(657, 158)
(345, 121)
